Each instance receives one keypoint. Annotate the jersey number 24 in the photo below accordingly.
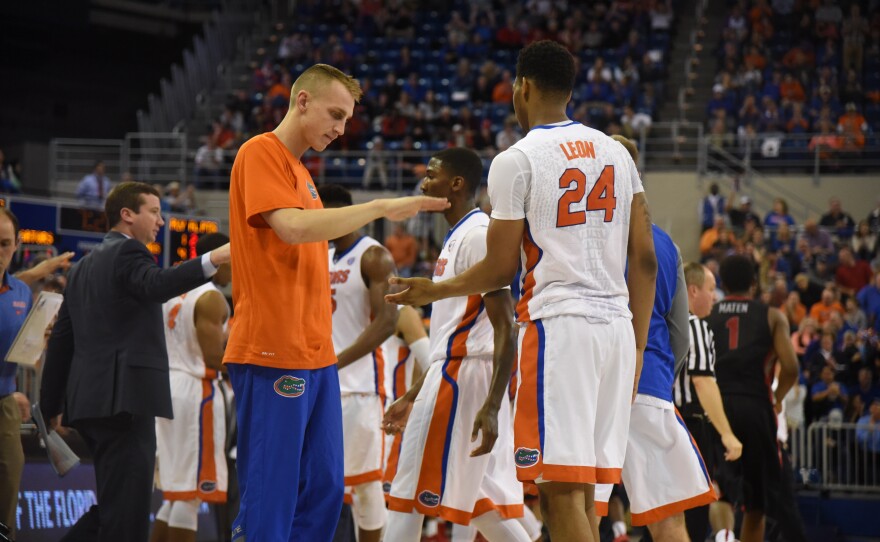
(600, 198)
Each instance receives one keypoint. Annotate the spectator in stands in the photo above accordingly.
(711, 235)
(791, 90)
(713, 205)
(837, 220)
(403, 248)
(868, 437)
(854, 317)
(852, 127)
(827, 394)
(377, 164)
(864, 242)
(818, 239)
(806, 334)
(852, 275)
(509, 37)
(852, 90)
(782, 240)
(874, 219)
(94, 187)
(779, 215)
(794, 310)
(208, 164)
(855, 33)
(866, 391)
(739, 216)
(508, 136)
(826, 142)
(9, 183)
(822, 309)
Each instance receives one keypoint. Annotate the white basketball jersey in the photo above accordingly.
(351, 315)
(184, 352)
(399, 364)
(459, 325)
(577, 214)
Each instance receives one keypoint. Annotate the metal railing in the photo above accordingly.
(692, 61)
(71, 159)
(155, 157)
(837, 456)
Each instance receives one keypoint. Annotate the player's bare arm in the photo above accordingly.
(209, 316)
(785, 355)
(710, 399)
(397, 414)
(499, 309)
(642, 275)
(493, 272)
(45, 268)
(295, 226)
(377, 267)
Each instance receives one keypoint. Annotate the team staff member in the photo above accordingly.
(106, 364)
(699, 401)
(191, 447)
(568, 203)
(15, 302)
(750, 338)
(359, 271)
(280, 353)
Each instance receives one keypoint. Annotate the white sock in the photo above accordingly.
(619, 528)
(404, 527)
(497, 529)
(463, 533)
(430, 528)
(724, 535)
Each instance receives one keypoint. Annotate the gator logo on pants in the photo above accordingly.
(208, 486)
(290, 386)
(429, 499)
(386, 487)
(526, 457)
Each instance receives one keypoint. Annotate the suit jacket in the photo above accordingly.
(106, 354)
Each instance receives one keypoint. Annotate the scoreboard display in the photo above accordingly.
(79, 230)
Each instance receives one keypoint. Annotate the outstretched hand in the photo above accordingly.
(416, 291)
(403, 208)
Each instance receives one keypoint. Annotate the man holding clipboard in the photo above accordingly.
(15, 302)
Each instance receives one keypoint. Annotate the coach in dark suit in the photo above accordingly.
(106, 365)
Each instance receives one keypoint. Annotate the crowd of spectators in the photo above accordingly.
(795, 78)
(442, 75)
(825, 276)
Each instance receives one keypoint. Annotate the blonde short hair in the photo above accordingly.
(319, 75)
(694, 274)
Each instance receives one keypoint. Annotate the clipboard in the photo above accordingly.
(31, 339)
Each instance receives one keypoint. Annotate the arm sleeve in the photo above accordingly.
(701, 358)
(421, 350)
(139, 275)
(677, 320)
(267, 180)
(208, 268)
(509, 177)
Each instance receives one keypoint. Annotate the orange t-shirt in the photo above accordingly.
(821, 313)
(281, 292)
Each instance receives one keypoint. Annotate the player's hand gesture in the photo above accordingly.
(416, 292)
(397, 415)
(403, 208)
(221, 255)
(733, 448)
(487, 422)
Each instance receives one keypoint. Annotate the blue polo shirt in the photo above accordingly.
(15, 302)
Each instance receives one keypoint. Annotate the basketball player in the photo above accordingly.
(663, 471)
(699, 401)
(191, 447)
(280, 354)
(464, 392)
(408, 353)
(359, 271)
(750, 338)
(567, 201)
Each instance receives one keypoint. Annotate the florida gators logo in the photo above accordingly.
(312, 190)
(290, 386)
(386, 487)
(429, 499)
(526, 457)
(208, 486)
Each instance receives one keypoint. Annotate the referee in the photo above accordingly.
(750, 338)
(699, 402)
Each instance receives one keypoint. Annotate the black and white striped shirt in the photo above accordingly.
(701, 362)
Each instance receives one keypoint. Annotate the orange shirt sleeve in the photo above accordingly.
(266, 161)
